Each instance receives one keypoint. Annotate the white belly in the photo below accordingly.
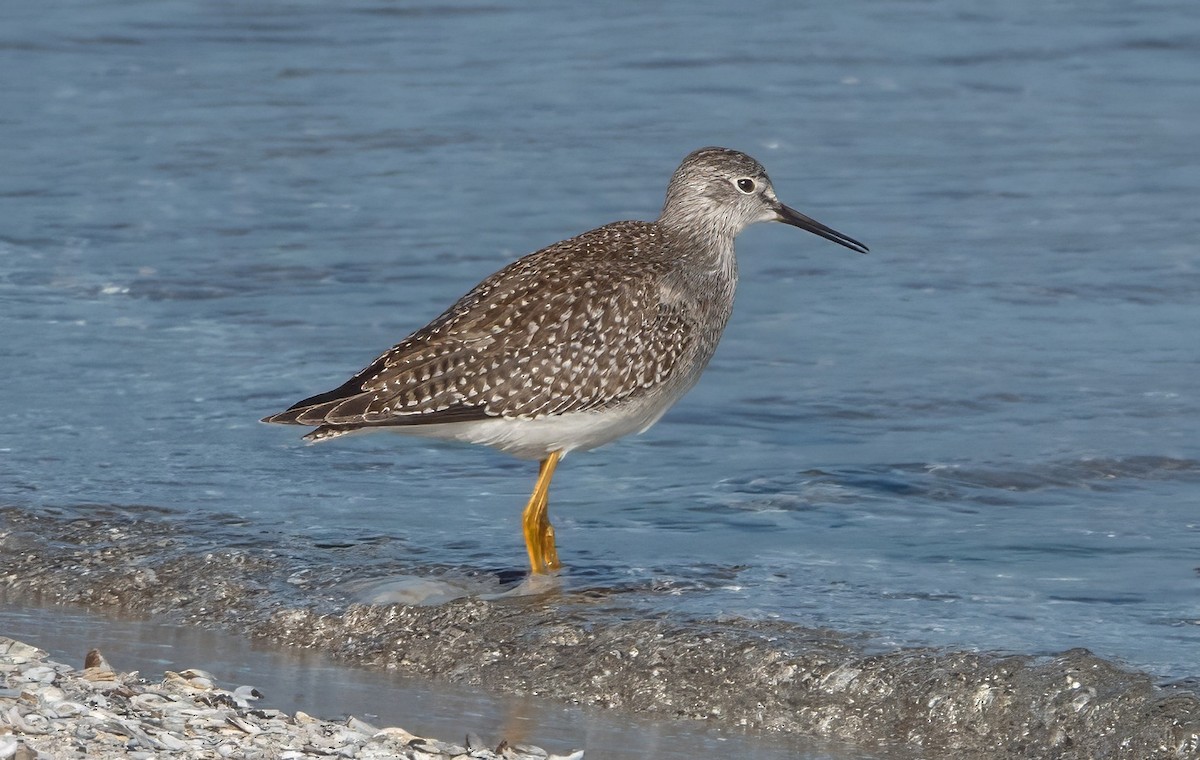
(535, 438)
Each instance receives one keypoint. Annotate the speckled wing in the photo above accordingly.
(578, 326)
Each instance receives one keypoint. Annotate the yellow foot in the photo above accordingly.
(539, 533)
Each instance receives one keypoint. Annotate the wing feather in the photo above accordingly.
(553, 333)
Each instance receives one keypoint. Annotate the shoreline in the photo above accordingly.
(292, 679)
(49, 709)
(584, 648)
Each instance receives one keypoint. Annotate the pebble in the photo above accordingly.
(51, 711)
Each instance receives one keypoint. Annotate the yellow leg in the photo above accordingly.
(539, 534)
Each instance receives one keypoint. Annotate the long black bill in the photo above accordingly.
(793, 217)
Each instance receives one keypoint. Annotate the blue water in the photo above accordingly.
(982, 435)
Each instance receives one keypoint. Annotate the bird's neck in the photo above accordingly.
(704, 251)
(709, 224)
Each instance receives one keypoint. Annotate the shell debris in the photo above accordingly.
(50, 710)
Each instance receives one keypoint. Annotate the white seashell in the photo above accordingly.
(174, 723)
(243, 695)
(209, 721)
(200, 679)
(18, 652)
(245, 725)
(38, 674)
(576, 755)
(395, 733)
(265, 740)
(185, 716)
(171, 742)
(149, 701)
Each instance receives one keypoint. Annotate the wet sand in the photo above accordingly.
(581, 648)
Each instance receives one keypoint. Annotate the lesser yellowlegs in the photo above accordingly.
(577, 344)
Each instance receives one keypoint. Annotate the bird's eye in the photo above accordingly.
(746, 185)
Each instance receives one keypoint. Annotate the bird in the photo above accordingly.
(575, 345)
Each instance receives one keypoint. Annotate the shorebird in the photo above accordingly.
(575, 345)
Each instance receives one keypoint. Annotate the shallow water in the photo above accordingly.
(982, 435)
